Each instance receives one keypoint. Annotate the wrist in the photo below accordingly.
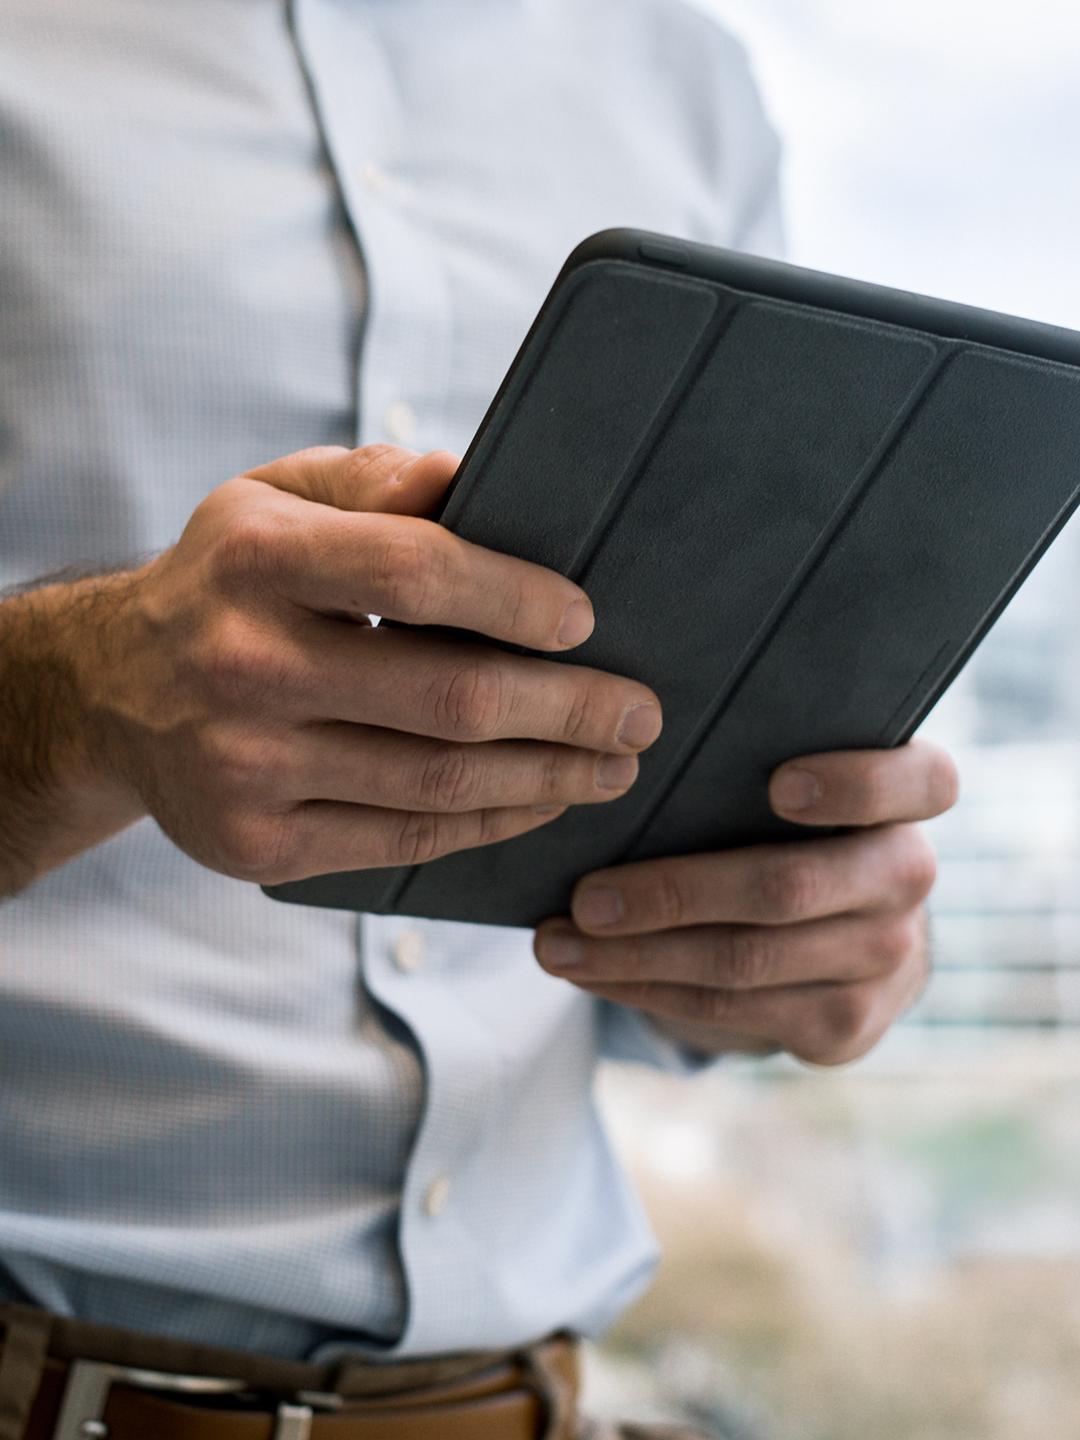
(100, 640)
(62, 790)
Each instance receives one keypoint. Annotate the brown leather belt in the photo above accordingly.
(63, 1379)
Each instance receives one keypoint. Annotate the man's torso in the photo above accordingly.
(231, 230)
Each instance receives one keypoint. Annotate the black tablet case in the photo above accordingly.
(797, 504)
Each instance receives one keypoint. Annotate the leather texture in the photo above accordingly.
(795, 520)
(526, 1394)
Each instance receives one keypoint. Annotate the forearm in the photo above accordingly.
(57, 797)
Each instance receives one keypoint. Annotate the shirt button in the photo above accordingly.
(400, 422)
(436, 1196)
(373, 177)
(409, 951)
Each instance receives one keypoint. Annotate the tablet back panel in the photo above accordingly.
(795, 518)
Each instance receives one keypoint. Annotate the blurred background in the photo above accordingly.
(893, 1250)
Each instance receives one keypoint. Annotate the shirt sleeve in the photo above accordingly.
(630, 1036)
(761, 230)
(751, 158)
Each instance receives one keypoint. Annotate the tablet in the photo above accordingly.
(797, 503)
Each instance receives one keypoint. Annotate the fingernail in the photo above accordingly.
(577, 623)
(561, 951)
(600, 906)
(547, 809)
(615, 772)
(639, 725)
(796, 790)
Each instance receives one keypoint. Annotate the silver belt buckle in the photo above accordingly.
(89, 1382)
(88, 1390)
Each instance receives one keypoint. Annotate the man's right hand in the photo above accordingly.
(234, 688)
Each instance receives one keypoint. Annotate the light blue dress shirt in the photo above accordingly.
(230, 229)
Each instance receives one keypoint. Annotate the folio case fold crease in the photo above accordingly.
(797, 503)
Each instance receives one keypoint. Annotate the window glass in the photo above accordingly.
(893, 1249)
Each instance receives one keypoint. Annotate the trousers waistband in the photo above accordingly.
(147, 1387)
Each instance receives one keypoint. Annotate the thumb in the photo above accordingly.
(382, 478)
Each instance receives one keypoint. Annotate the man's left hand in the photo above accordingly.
(814, 947)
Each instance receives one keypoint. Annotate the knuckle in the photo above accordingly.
(635, 960)
(552, 777)
(847, 1018)
(515, 610)
(919, 866)
(841, 1031)
(897, 941)
(231, 662)
(355, 470)
(447, 780)
(238, 664)
(225, 493)
(719, 1007)
(578, 714)
(873, 788)
(416, 840)
(402, 571)
(666, 900)
(790, 888)
(252, 846)
(251, 543)
(493, 825)
(357, 465)
(243, 764)
(746, 959)
(471, 703)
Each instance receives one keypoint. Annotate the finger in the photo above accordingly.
(888, 868)
(421, 574)
(400, 566)
(866, 787)
(436, 686)
(822, 1024)
(363, 765)
(735, 957)
(416, 571)
(324, 836)
(381, 478)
